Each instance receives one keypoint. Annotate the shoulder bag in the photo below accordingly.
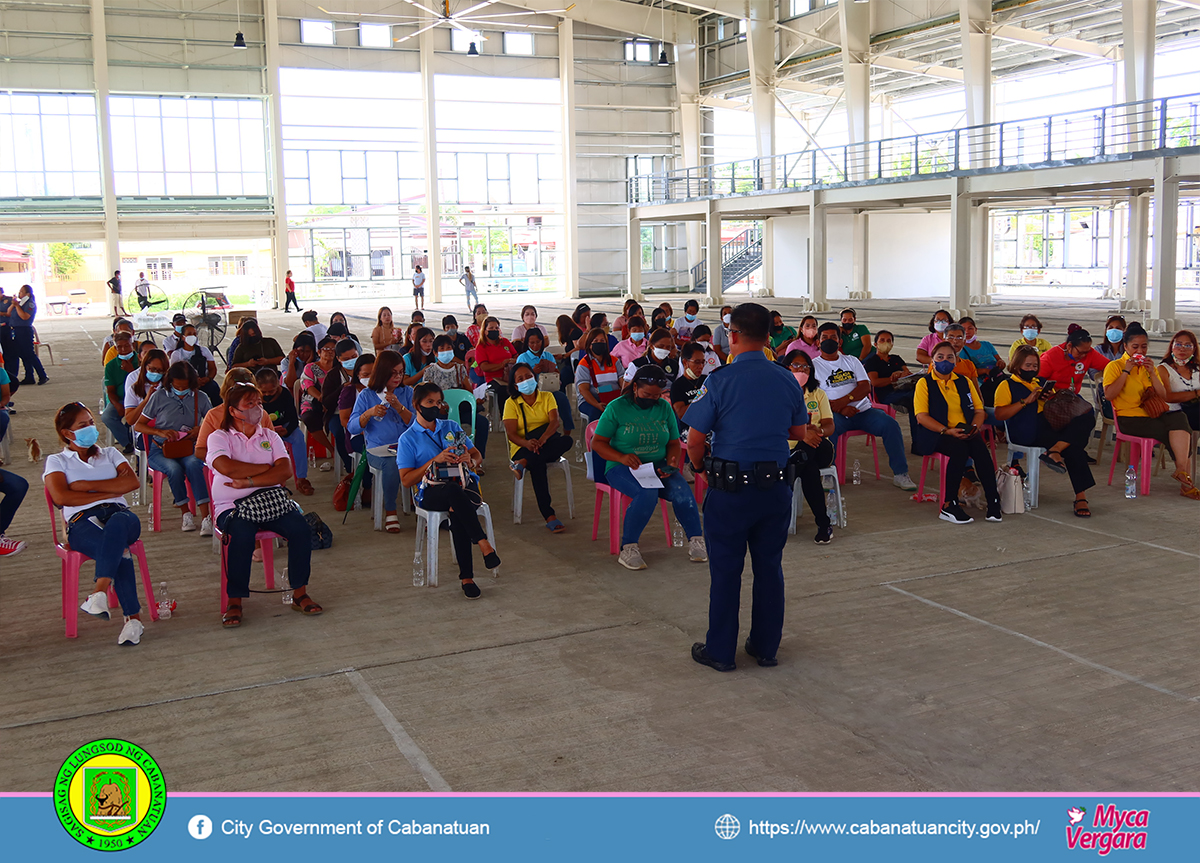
(1153, 404)
(185, 446)
(266, 504)
(1062, 407)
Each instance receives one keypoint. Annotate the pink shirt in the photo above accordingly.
(927, 343)
(629, 350)
(263, 447)
(810, 350)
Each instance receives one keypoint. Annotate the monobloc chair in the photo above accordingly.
(1141, 454)
(617, 503)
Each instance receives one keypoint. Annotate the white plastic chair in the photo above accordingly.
(798, 499)
(404, 494)
(429, 531)
(1033, 464)
(519, 492)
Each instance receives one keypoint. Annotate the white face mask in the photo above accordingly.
(191, 341)
(662, 353)
(365, 381)
(725, 319)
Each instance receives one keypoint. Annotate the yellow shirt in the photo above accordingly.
(1042, 346)
(1128, 402)
(1004, 395)
(817, 403)
(954, 411)
(529, 416)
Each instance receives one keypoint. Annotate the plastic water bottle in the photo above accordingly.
(1028, 493)
(856, 473)
(831, 506)
(1131, 483)
(677, 535)
(579, 451)
(312, 458)
(287, 586)
(164, 602)
(418, 569)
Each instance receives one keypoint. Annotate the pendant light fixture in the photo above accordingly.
(472, 51)
(239, 41)
(662, 45)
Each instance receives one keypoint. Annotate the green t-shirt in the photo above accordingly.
(114, 376)
(786, 336)
(644, 433)
(852, 341)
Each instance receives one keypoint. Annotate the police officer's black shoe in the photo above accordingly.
(753, 654)
(700, 654)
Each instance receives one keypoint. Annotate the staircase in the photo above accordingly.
(739, 258)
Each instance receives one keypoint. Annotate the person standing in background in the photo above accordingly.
(289, 293)
(418, 281)
(114, 295)
(142, 287)
(20, 318)
(8, 345)
(467, 280)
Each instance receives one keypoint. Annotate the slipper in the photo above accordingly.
(555, 526)
(1082, 511)
(232, 617)
(392, 524)
(1056, 466)
(518, 470)
(305, 605)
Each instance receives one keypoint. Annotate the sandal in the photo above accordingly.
(1056, 465)
(232, 617)
(1181, 476)
(1190, 491)
(304, 486)
(305, 605)
(392, 524)
(1082, 511)
(555, 526)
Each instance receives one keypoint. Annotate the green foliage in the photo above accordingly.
(64, 260)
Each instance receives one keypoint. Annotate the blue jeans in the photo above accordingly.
(240, 534)
(113, 419)
(107, 546)
(13, 488)
(297, 443)
(481, 426)
(876, 422)
(566, 417)
(391, 478)
(472, 299)
(178, 470)
(589, 412)
(643, 502)
(4, 421)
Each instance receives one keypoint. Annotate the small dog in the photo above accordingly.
(35, 449)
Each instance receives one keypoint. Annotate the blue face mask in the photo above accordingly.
(445, 357)
(527, 387)
(690, 317)
(154, 377)
(348, 365)
(944, 367)
(181, 393)
(179, 328)
(1114, 335)
(1030, 332)
(637, 337)
(127, 356)
(87, 436)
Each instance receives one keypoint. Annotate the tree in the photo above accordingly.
(64, 260)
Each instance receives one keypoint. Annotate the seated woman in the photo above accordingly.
(430, 451)
(815, 451)
(338, 319)
(781, 335)
(938, 325)
(212, 419)
(989, 365)
(541, 361)
(360, 377)
(640, 428)
(1031, 334)
(346, 354)
(312, 409)
(171, 421)
(1113, 343)
(1127, 382)
(531, 421)
(246, 458)
(702, 335)
(1019, 403)
(1180, 373)
(280, 408)
(884, 368)
(140, 385)
(89, 483)
(450, 373)
(598, 375)
(949, 416)
(493, 356)
(1067, 364)
(807, 341)
(662, 353)
(418, 357)
(381, 413)
(201, 358)
(383, 335)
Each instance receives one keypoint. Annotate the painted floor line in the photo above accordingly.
(1004, 563)
(408, 747)
(1114, 536)
(1074, 657)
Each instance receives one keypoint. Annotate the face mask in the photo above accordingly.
(637, 337)
(689, 317)
(884, 348)
(972, 340)
(253, 415)
(425, 353)
(1030, 333)
(127, 356)
(445, 357)
(493, 335)
(366, 382)
(530, 322)
(809, 333)
(1114, 335)
(452, 332)
(181, 393)
(940, 326)
(645, 404)
(86, 437)
(348, 365)
(829, 346)
(944, 367)
(662, 353)
(154, 377)
(179, 328)
(801, 377)
(847, 326)
(599, 349)
(1026, 374)
(691, 374)
(429, 414)
(23, 300)
(725, 319)
(191, 341)
(527, 387)
(777, 328)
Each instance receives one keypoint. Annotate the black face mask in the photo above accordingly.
(645, 404)
(829, 346)
(429, 414)
(777, 328)
(599, 349)
(493, 335)
(848, 326)
(1026, 374)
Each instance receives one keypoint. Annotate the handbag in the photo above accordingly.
(1062, 407)
(1011, 491)
(549, 382)
(341, 494)
(266, 504)
(322, 536)
(185, 446)
(1153, 404)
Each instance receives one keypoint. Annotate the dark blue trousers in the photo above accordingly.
(734, 521)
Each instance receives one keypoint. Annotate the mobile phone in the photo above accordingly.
(1047, 386)
(968, 428)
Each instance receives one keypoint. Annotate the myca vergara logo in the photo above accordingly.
(109, 794)
(1111, 829)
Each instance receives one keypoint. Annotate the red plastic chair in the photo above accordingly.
(1141, 453)
(617, 503)
(72, 561)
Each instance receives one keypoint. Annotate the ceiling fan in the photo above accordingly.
(470, 20)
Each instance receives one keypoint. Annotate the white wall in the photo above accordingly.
(909, 255)
(791, 256)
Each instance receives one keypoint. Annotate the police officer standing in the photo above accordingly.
(752, 407)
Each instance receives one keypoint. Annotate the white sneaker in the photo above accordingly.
(904, 481)
(131, 632)
(10, 547)
(697, 553)
(206, 526)
(631, 557)
(97, 604)
(189, 522)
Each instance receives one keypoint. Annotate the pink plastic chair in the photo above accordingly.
(617, 503)
(843, 443)
(887, 409)
(264, 538)
(156, 480)
(942, 461)
(1141, 453)
(72, 561)
(701, 485)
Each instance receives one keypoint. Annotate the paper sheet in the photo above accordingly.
(480, 392)
(646, 476)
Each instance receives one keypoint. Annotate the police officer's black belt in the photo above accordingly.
(727, 475)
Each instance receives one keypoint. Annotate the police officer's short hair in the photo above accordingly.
(752, 321)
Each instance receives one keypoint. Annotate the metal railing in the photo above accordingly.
(1097, 134)
(747, 244)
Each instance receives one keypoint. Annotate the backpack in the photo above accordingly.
(322, 536)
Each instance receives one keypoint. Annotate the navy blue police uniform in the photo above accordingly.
(749, 406)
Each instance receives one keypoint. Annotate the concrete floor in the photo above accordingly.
(1045, 653)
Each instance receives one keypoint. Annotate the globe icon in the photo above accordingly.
(727, 826)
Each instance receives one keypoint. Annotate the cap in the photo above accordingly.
(652, 375)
